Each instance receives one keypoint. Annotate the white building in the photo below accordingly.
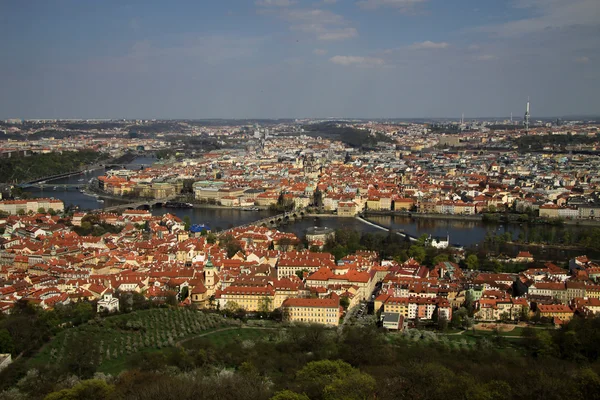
(108, 303)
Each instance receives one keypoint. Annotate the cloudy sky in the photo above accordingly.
(298, 58)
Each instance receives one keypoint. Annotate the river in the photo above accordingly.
(463, 232)
(73, 197)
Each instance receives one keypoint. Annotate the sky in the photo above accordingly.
(298, 58)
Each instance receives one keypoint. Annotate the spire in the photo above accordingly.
(526, 119)
(208, 263)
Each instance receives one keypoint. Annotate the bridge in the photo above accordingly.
(127, 166)
(138, 205)
(399, 233)
(272, 221)
(64, 186)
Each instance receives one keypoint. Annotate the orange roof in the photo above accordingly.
(321, 303)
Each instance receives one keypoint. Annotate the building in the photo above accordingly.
(393, 321)
(560, 311)
(320, 311)
(108, 303)
(317, 233)
(14, 207)
(250, 298)
(5, 360)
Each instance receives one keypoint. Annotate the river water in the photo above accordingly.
(462, 232)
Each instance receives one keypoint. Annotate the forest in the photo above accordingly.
(353, 137)
(286, 361)
(23, 169)
(540, 141)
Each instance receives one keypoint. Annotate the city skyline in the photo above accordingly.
(298, 59)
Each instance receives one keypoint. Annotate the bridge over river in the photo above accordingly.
(272, 221)
(142, 204)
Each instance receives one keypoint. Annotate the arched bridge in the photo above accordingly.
(142, 204)
(272, 221)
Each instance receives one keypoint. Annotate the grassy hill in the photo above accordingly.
(108, 343)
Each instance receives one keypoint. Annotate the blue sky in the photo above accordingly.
(298, 58)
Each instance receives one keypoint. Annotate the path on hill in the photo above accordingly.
(228, 328)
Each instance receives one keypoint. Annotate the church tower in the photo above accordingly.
(209, 274)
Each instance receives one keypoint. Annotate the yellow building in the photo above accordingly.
(249, 298)
(320, 311)
(347, 209)
(555, 311)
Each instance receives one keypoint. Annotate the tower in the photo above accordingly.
(209, 274)
(526, 119)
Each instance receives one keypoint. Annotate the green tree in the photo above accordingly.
(289, 395)
(317, 375)
(6, 342)
(472, 262)
(41, 210)
(184, 293)
(188, 222)
(84, 390)
(264, 305)
(440, 258)
(417, 252)
(81, 359)
(344, 302)
(211, 238)
(230, 244)
(355, 386)
(301, 272)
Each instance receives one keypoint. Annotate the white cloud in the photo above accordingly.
(323, 24)
(399, 4)
(320, 52)
(582, 60)
(427, 45)
(357, 60)
(473, 47)
(274, 3)
(330, 1)
(338, 34)
(486, 57)
(549, 15)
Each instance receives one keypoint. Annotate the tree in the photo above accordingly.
(355, 386)
(89, 389)
(171, 299)
(211, 238)
(472, 262)
(317, 375)
(41, 210)
(417, 252)
(301, 272)
(81, 358)
(439, 258)
(230, 244)
(289, 395)
(442, 323)
(6, 341)
(188, 222)
(344, 302)
(184, 293)
(264, 305)
(231, 306)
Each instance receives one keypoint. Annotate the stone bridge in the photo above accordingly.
(142, 204)
(272, 221)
